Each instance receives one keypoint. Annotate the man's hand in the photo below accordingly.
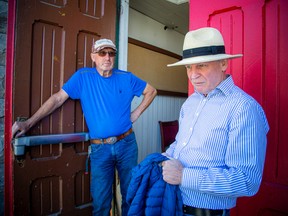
(55, 101)
(19, 128)
(172, 171)
(134, 116)
(149, 94)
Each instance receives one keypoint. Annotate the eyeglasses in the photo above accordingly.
(104, 53)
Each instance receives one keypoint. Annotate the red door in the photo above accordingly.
(53, 40)
(258, 29)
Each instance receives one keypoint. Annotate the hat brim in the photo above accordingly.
(202, 59)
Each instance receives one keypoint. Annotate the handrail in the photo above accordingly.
(20, 143)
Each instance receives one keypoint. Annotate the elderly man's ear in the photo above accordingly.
(224, 64)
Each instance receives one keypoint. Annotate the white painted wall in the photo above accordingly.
(147, 30)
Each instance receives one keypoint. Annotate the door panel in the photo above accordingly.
(53, 40)
(258, 29)
(230, 23)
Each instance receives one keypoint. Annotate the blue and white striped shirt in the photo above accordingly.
(222, 144)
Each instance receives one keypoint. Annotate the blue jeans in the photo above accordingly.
(104, 159)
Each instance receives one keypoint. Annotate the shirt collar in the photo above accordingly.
(226, 86)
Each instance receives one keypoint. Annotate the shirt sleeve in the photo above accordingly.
(138, 85)
(73, 86)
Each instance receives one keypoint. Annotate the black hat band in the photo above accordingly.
(202, 51)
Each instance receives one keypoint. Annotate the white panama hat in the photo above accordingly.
(203, 45)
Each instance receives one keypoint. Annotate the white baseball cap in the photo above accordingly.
(101, 44)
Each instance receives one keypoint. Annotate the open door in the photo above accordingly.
(53, 40)
(258, 29)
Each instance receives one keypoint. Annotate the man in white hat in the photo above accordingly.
(106, 95)
(220, 147)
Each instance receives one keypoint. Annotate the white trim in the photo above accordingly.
(123, 35)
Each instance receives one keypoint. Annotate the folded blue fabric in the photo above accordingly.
(148, 194)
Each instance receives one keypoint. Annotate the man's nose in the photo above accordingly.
(192, 72)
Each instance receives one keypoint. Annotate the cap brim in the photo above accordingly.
(105, 46)
(202, 59)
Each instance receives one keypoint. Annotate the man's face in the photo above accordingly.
(206, 76)
(104, 59)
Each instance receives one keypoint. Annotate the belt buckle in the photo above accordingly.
(111, 140)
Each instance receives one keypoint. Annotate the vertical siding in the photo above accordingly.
(163, 108)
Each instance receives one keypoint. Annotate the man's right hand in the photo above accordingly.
(19, 128)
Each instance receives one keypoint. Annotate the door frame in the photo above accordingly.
(8, 153)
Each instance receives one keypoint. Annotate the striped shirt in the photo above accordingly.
(222, 144)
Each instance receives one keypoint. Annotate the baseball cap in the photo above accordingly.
(101, 44)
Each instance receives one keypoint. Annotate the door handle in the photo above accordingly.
(20, 143)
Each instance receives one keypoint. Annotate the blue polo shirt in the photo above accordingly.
(105, 101)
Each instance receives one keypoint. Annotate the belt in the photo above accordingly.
(111, 140)
(202, 212)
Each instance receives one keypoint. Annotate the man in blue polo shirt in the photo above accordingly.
(105, 94)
